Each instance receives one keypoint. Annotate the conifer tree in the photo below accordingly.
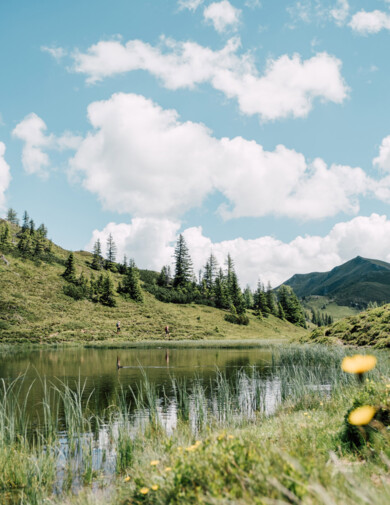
(111, 252)
(32, 227)
(260, 300)
(12, 216)
(220, 291)
(183, 264)
(210, 271)
(108, 294)
(164, 278)
(5, 237)
(291, 306)
(97, 258)
(42, 230)
(131, 284)
(70, 269)
(235, 294)
(271, 302)
(248, 297)
(281, 314)
(26, 222)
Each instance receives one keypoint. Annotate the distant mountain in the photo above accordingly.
(356, 282)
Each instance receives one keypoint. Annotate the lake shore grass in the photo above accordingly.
(302, 453)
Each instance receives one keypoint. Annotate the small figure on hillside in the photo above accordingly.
(118, 326)
(167, 331)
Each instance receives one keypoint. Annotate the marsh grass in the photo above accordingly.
(230, 416)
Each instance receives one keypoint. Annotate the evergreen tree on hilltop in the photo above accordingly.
(271, 301)
(248, 297)
(210, 271)
(164, 278)
(12, 217)
(70, 269)
(229, 271)
(260, 301)
(292, 308)
(235, 295)
(97, 260)
(26, 222)
(220, 291)
(111, 252)
(108, 294)
(183, 265)
(131, 284)
(6, 237)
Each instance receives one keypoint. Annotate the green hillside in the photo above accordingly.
(369, 328)
(34, 308)
(355, 283)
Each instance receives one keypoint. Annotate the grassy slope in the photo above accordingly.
(328, 306)
(33, 308)
(371, 327)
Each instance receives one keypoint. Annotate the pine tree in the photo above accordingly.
(260, 301)
(12, 216)
(164, 278)
(271, 302)
(229, 271)
(97, 259)
(210, 271)
(235, 294)
(183, 265)
(111, 252)
(42, 230)
(70, 269)
(131, 284)
(291, 306)
(220, 291)
(26, 222)
(32, 227)
(108, 294)
(281, 314)
(248, 298)
(6, 237)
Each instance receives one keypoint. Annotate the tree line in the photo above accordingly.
(213, 285)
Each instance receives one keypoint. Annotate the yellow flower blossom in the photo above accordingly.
(231, 437)
(155, 462)
(155, 487)
(361, 415)
(144, 490)
(168, 468)
(358, 363)
(127, 479)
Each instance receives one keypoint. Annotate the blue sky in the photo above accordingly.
(258, 128)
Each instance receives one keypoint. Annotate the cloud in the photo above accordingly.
(5, 176)
(151, 243)
(222, 15)
(340, 12)
(288, 87)
(366, 23)
(32, 131)
(148, 241)
(56, 52)
(142, 160)
(191, 5)
(383, 160)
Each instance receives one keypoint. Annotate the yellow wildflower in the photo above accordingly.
(168, 468)
(155, 487)
(144, 490)
(305, 414)
(155, 462)
(361, 415)
(231, 437)
(358, 363)
(127, 479)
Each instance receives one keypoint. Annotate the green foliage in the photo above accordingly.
(183, 264)
(291, 307)
(70, 269)
(131, 285)
(97, 259)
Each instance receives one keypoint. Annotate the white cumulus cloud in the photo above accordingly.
(151, 243)
(366, 23)
(340, 12)
(287, 88)
(5, 176)
(222, 15)
(383, 159)
(141, 159)
(191, 5)
(32, 131)
(56, 52)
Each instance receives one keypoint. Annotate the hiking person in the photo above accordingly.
(118, 326)
(167, 331)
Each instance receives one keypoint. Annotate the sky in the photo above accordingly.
(255, 128)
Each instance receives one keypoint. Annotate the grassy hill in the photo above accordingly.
(369, 328)
(326, 305)
(34, 309)
(354, 284)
